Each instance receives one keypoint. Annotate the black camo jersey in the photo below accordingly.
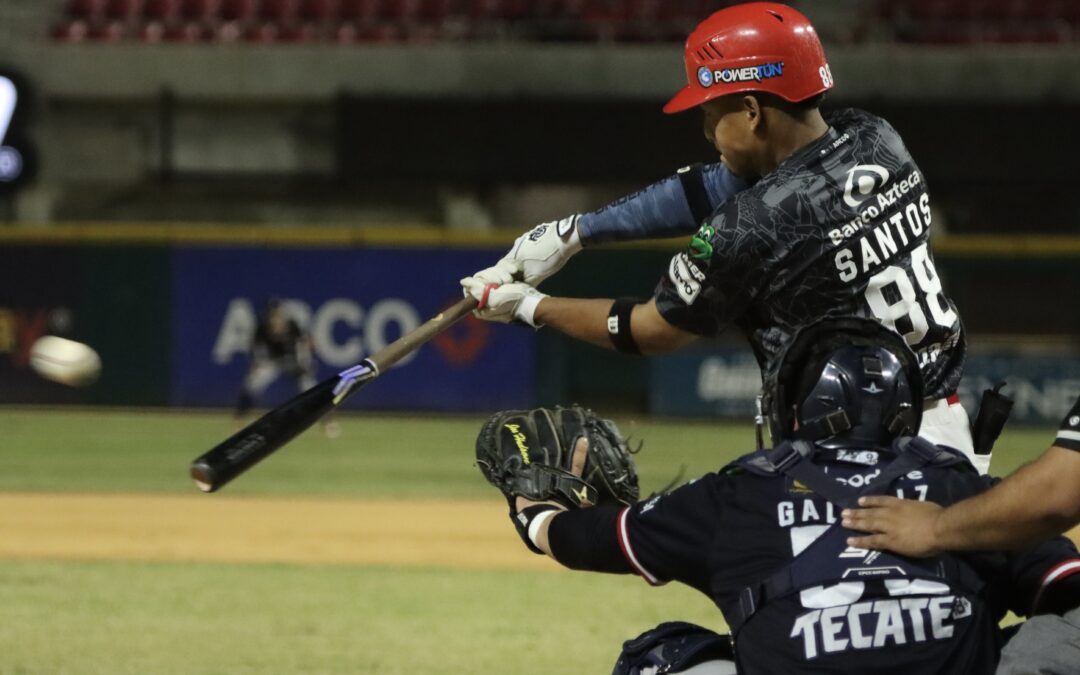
(729, 530)
(839, 228)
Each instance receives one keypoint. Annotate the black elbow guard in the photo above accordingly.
(618, 326)
(587, 539)
(692, 179)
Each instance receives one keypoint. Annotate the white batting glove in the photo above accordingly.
(537, 254)
(505, 303)
(503, 272)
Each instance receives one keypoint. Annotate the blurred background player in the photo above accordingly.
(762, 537)
(836, 221)
(279, 347)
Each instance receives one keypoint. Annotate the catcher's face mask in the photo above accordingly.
(847, 382)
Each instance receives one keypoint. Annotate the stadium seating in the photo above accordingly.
(348, 21)
(975, 21)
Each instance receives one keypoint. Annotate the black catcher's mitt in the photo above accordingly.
(528, 453)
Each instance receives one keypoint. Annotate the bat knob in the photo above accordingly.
(204, 476)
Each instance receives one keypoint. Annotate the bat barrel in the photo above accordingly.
(204, 476)
(227, 460)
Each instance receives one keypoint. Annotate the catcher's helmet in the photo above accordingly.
(843, 383)
(759, 46)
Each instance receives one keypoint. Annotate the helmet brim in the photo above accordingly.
(687, 97)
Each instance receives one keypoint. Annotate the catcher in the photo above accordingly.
(762, 536)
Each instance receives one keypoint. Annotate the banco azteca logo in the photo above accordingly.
(864, 180)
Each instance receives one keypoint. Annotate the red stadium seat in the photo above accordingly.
(86, 9)
(263, 32)
(998, 10)
(75, 30)
(238, 10)
(381, 33)
(299, 33)
(125, 10)
(229, 32)
(346, 33)
(200, 10)
(161, 10)
(604, 11)
(508, 9)
(109, 31)
(279, 10)
(644, 10)
(435, 11)
(359, 10)
(423, 33)
(187, 31)
(401, 10)
(319, 10)
(929, 10)
(152, 32)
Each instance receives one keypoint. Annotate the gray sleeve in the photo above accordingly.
(671, 207)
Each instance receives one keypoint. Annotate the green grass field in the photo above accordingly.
(125, 616)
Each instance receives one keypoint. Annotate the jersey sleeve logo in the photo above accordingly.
(864, 180)
(701, 247)
(686, 277)
(538, 231)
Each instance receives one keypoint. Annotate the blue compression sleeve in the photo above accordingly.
(674, 206)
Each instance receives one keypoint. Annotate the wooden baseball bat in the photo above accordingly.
(241, 451)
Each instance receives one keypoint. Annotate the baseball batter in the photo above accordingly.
(807, 215)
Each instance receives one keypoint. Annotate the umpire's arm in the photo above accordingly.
(1040, 500)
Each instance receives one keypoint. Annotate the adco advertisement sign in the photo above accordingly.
(352, 303)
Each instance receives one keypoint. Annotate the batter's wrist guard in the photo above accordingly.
(1068, 435)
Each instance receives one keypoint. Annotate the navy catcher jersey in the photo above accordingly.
(841, 227)
(729, 530)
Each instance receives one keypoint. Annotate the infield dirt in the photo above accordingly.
(467, 534)
(459, 534)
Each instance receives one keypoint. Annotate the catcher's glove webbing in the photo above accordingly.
(529, 453)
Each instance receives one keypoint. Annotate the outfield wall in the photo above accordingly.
(170, 309)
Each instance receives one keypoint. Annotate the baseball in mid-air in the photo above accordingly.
(65, 361)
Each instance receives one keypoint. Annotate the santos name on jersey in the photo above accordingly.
(840, 227)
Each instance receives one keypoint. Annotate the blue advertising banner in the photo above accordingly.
(724, 383)
(353, 303)
(1042, 388)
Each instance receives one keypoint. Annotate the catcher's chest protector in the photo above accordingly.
(854, 599)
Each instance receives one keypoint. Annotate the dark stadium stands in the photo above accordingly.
(380, 20)
(347, 21)
(974, 21)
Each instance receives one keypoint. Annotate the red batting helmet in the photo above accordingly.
(759, 46)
